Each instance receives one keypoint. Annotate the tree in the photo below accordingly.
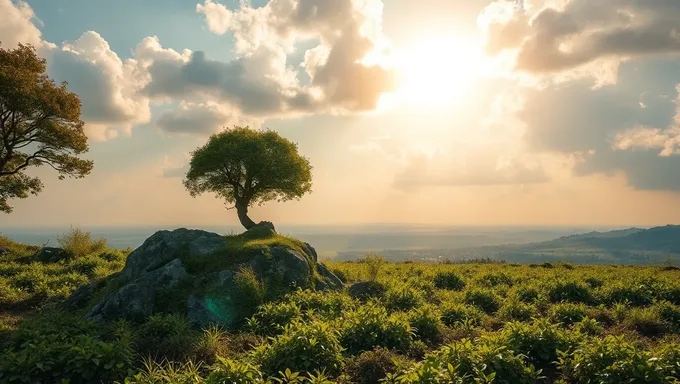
(39, 125)
(244, 166)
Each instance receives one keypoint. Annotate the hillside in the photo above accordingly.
(628, 246)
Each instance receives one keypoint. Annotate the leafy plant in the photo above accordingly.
(449, 280)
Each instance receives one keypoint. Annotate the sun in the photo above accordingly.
(437, 72)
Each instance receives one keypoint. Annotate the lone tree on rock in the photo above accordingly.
(39, 125)
(245, 166)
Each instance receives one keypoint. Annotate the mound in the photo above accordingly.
(213, 279)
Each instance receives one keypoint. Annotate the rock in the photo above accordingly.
(328, 280)
(82, 295)
(261, 230)
(364, 290)
(3, 251)
(51, 255)
(295, 267)
(200, 316)
(309, 250)
(153, 273)
(136, 300)
(164, 246)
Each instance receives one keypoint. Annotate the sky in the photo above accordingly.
(475, 112)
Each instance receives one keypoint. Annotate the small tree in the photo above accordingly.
(39, 125)
(244, 166)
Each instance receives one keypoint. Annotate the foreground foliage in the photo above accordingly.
(464, 323)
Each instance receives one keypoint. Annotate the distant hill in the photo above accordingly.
(626, 246)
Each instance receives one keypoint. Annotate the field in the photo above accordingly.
(404, 323)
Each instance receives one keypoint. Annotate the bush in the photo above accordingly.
(372, 366)
(611, 360)
(270, 319)
(78, 243)
(227, 371)
(483, 299)
(166, 372)
(403, 298)
(454, 314)
(370, 326)
(632, 295)
(165, 336)
(568, 313)
(526, 294)
(460, 362)
(646, 322)
(427, 324)
(373, 263)
(669, 313)
(449, 280)
(329, 304)
(66, 349)
(367, 290)
(249, 294)
(493, 279)
(516, 310)
(210, 344)
(539, 341)
(569, 291)
(302, 348)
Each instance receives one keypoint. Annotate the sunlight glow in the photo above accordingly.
(437, 72)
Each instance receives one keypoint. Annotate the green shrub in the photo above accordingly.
(449, 280)
(78, 243)
(588, 326)
(646, 322)
(372, 366)
(68, 350)
(669, 313)
(165, 336)
(611, 360)
(630, 294)
(302, 348)
(569, 291)
(483, 299)
(539, 341)
(517, 310)
(454, 314)
(594, 282)
(227, 371)
(403, 298)
(426, 323)
(370, 326)
(374, 264)
(462, 361)
(367, 290)
(329, 304)
(271, 318)
(493, 279)
(250, 292)
(527, 294)
(169, 372)
(210, 344)
(568, 313)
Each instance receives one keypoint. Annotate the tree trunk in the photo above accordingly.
(242, 211)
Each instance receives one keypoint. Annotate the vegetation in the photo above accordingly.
(429, 323)
(39, 125)
(244, 166)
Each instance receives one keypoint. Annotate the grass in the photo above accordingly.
(500, 323)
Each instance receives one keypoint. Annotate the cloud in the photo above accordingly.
(628, 128)
(573, 33)
(340, 76)
(17, 25)
(106, 84)
(201, 119)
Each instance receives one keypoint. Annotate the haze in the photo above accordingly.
(506, 113)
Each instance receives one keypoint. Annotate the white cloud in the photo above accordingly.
(562, 36)
(17, 25)
(105, 83)
(202, 118)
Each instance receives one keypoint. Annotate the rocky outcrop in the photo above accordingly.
(203, 274)
(164, 246)
(136, 300)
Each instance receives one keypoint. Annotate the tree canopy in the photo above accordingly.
(245, 166)
(39, 125)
